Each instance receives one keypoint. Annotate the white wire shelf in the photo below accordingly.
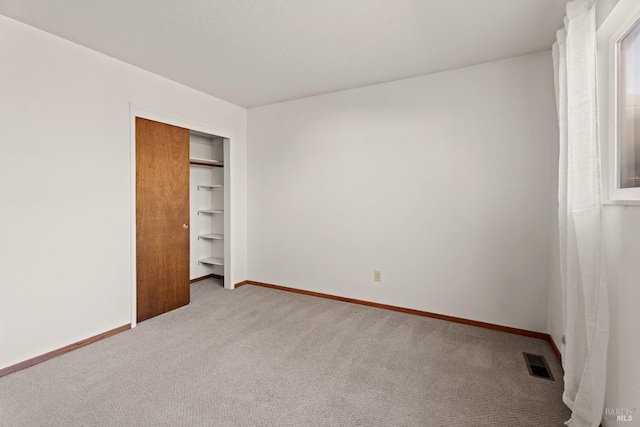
(211, 261)
(211, 187)
(211, 236)
(211, 162)
(210, 211)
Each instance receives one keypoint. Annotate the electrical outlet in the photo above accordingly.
(377, 276)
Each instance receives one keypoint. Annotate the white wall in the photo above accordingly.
(621, 240)
(65, 186)
(442, 182)
(556, 326)
(621, 230)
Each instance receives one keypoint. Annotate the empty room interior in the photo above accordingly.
(339, 213)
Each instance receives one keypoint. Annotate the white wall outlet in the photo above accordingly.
(377, 275)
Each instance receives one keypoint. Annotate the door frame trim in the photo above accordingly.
(163, 117)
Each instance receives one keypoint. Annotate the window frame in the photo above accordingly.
(622, 19)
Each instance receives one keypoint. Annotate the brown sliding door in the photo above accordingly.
(162, 217)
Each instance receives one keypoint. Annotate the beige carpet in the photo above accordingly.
(262, 357)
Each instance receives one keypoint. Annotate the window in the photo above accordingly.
(629, 109)
(619, 102)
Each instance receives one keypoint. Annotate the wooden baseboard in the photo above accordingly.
(208, 276)
(244, 282)
(524, 332)
(61, 351)
(555, 349)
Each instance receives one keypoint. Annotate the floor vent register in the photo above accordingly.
(538, 366)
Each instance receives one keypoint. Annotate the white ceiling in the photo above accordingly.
(257, 52)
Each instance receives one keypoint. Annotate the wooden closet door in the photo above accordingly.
(162, 218)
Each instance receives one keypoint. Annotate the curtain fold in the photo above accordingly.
(585, 303)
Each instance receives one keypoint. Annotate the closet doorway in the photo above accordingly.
(180, 212)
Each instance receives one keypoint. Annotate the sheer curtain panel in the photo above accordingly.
(585, 304)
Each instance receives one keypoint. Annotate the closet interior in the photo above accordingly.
(207, 205)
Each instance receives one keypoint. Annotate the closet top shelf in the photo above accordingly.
(206, 137)
(205, 162)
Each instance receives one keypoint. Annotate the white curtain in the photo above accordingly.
(585, 303)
